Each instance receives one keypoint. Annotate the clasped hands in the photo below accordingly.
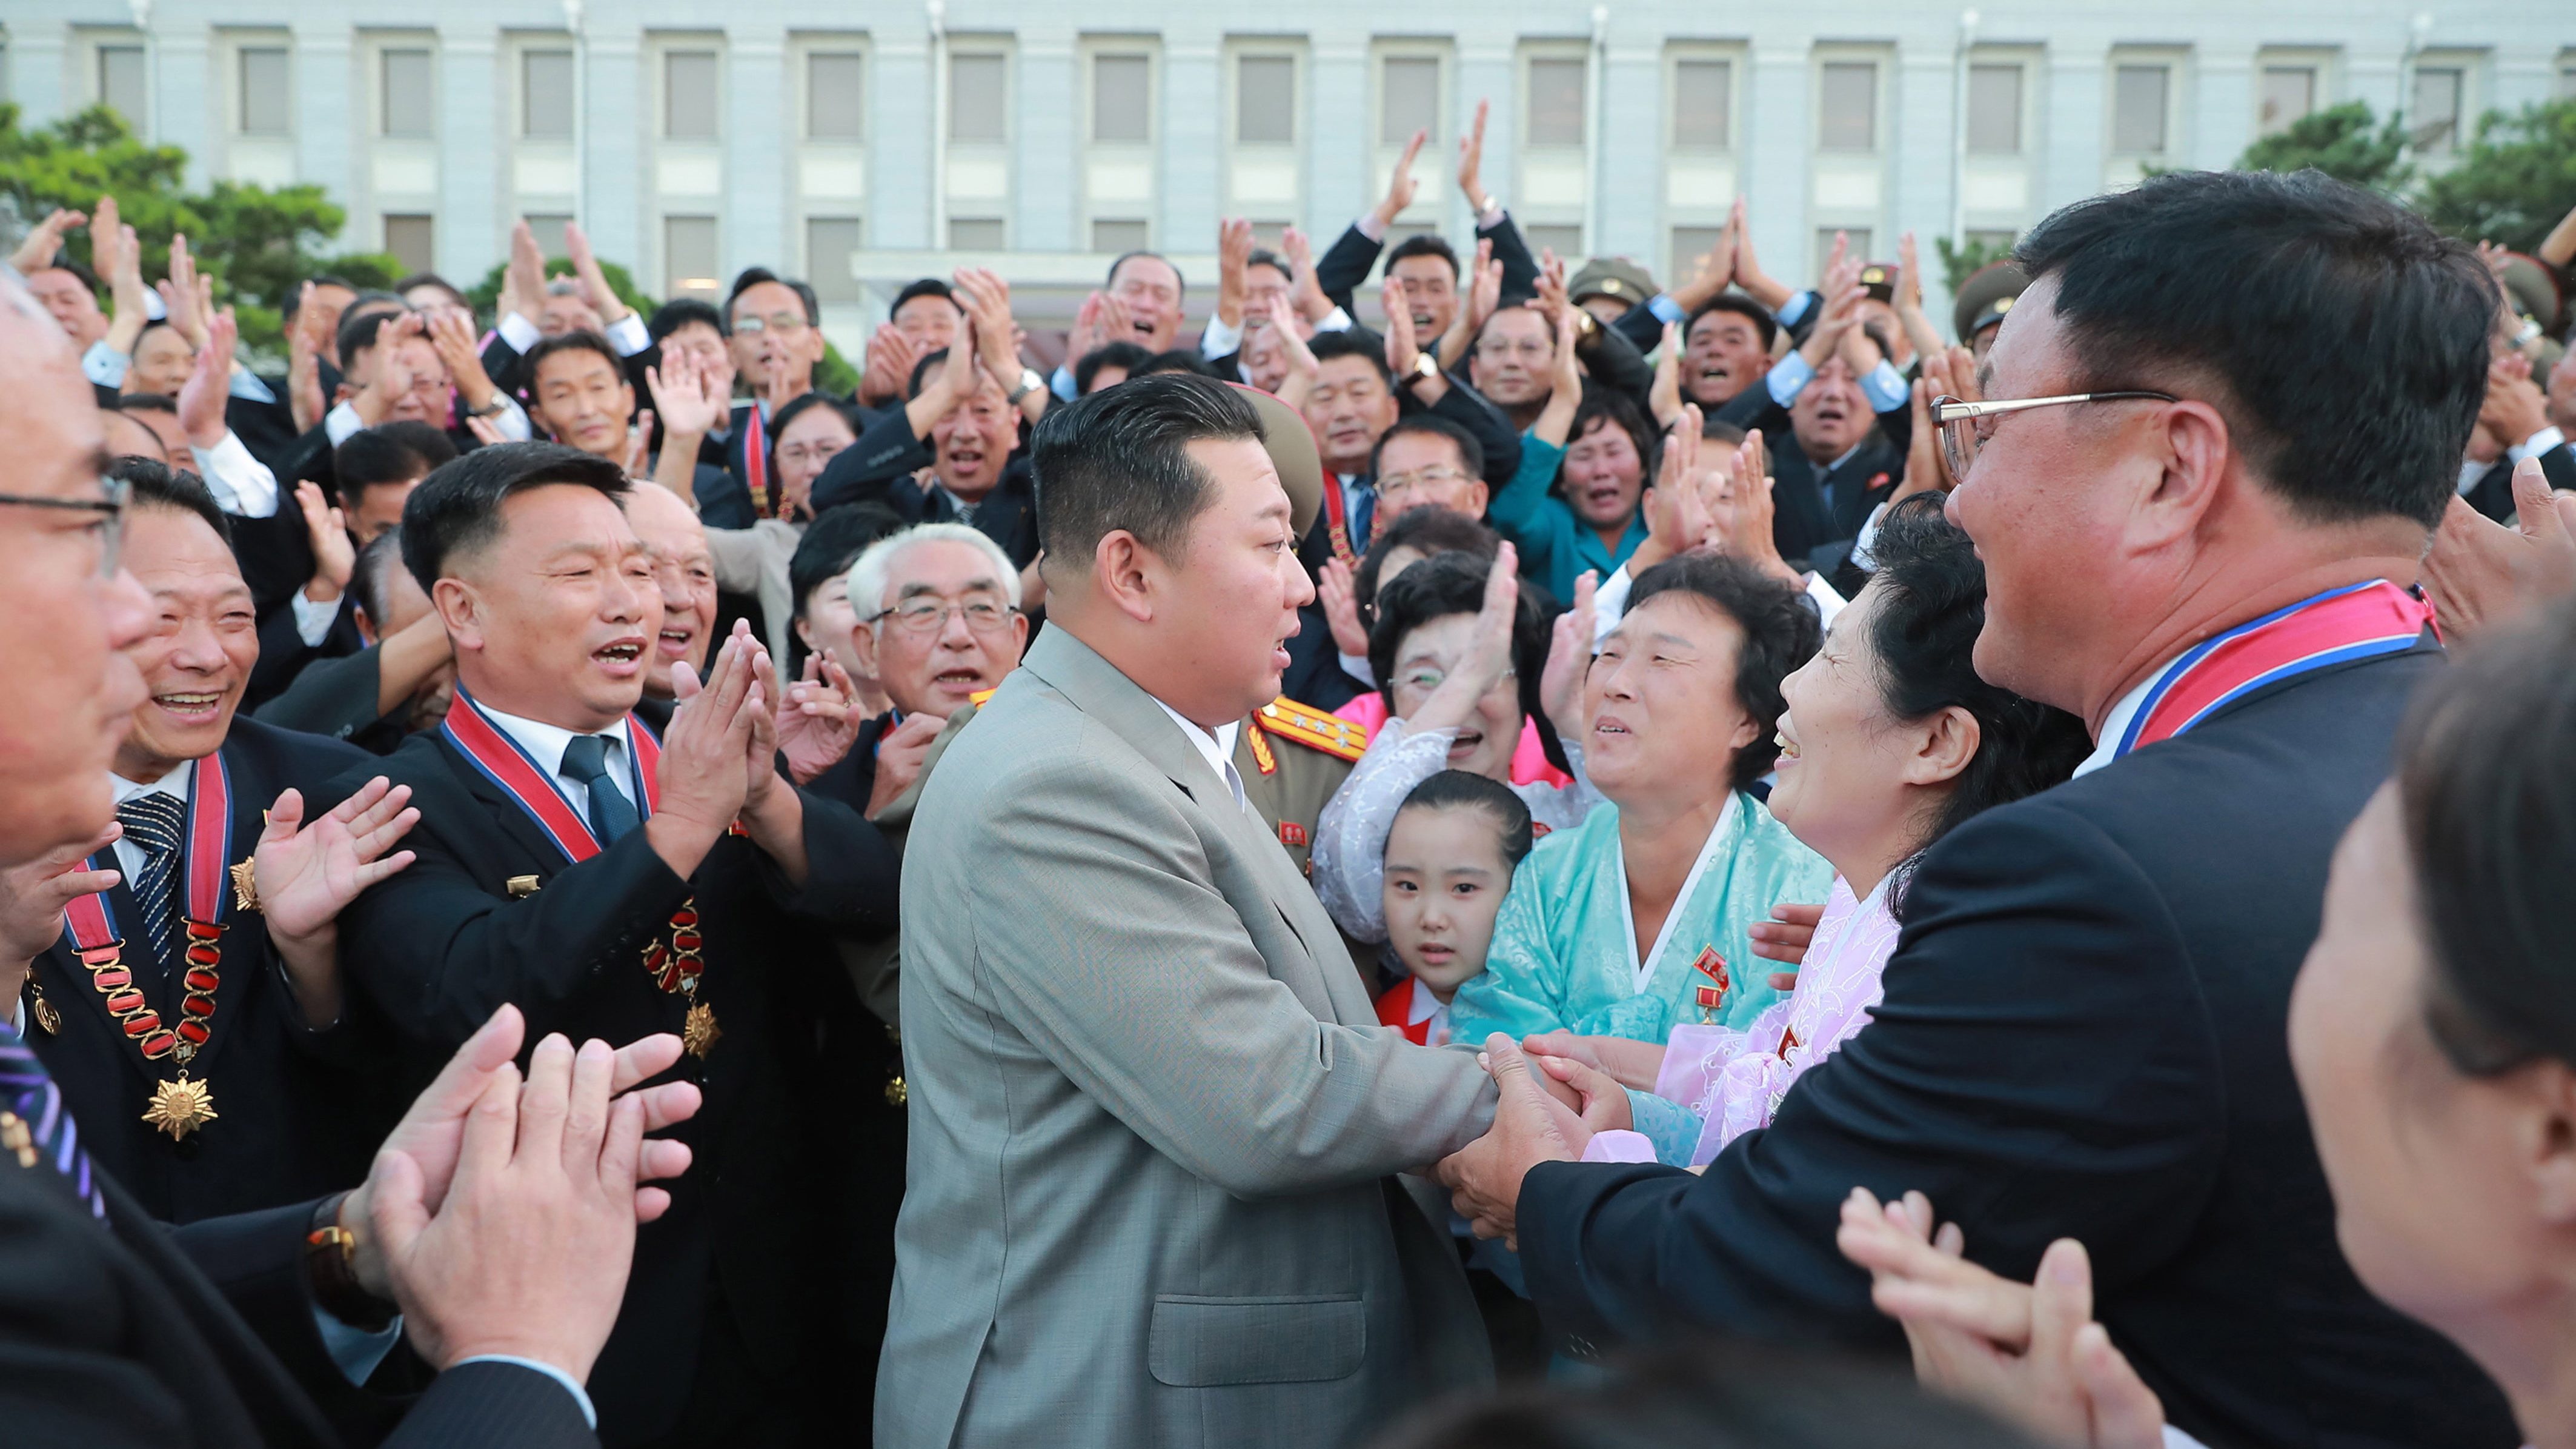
(719, 764)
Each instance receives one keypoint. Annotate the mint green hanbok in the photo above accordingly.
(1565, 954)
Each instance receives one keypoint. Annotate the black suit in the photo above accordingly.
(879, 468)
(126, 1334)
(1347, 262)
(721, 1315)
(2082, 1036)
(297, 1116)
(2493, 495)
(1818, 509)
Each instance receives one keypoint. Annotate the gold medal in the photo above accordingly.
(180, 1107)
(245, 885)
(698, 1030)
(43, 1009)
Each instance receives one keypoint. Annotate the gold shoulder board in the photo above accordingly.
(1314, 728)
(979, 696)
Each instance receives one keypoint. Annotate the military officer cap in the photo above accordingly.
(2533, 293)
(1985, 297)
(1616, 278)
(1291, 446)
(1879, 278)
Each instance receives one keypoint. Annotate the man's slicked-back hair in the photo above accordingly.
(150, 483)
(1423, 244)
(577, 340)
(2347, 336)
(395, 452)
(1120, 459)
(457, 509)
(1352, 342)
(1180, 283)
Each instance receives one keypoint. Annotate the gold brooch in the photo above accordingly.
(698, 1030)
(181, 1107)
(245, 875)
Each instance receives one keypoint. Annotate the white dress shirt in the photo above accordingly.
(2106, 746)
(1217, 749)
(627, 334)
(545, 744)
(1610, 601)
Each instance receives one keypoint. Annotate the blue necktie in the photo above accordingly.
(1361, 512)
(611, 813)
(30, 1093)
(153, 823)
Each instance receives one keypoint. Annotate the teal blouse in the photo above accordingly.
(1556, 547)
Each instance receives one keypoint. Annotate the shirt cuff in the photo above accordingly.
(343, 420)
(1369, 226)
(1062, 384)
(1861, 556)
(1217, 339)
(243, 485)
(1337, 320)
(104, 365)
(1357, 667)
(2537, 444)
(1609, 604)
(1789, 377)
(1617, 1145)
(313, 617)
(512, 420)
(571, 1385)
(248, 386)
(1493, 214)
(628, 334)
(354, 1351)
(2177, 1439)
(1794, 311)
(1828, 601)
(1886, 387)
(519, 332)
(1665, 308)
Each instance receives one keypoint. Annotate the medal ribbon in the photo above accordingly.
(532, 787)
(92, 926)
(2357, 621)
(1336, 526)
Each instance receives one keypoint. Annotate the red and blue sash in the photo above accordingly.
(532, 787)
(2357, 621)
(92, 925)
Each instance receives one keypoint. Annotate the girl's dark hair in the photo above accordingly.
(1446, 584)
(1932, 606)
(1780, 633)
(2486, 780)
(1426, 531)
(1467, 790)
(832, 542)
(1621, 411)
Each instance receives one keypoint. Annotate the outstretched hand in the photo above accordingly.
(2480, 574)
(308, 873)
(1530, 1127)
(1569, 662)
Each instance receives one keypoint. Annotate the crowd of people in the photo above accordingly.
(1649, 845)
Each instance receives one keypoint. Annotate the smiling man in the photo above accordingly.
(579, 394)
(685, 572)
(1152, 1192)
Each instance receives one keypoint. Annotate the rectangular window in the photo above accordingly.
(1857, 236)
(689, 95)
(974, 234)
(1703, 104)
(549, 229)
(122, 84)
(407, 106)
(829, 242)
(1690, 243)
(1408, 98)
(413, 239)
(2138, 110)
(2435, 116)
(976, 99)
(689, 264)
(1122, 98)
(1265, 100)
(266, 107)
(1847, 106)
(1555, 102)
(2289, 93)
(1113, 237)
(1565, 241)
(833, 90)
(1994, 110)
(545, 95)
(2567, 82)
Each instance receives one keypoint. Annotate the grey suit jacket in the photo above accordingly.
(1155, 1127)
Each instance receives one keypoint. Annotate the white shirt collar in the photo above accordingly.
(545, 743)
(2107, 748)
(2535, 445)
(1217, 748)
(1645, 964)
(174, 783)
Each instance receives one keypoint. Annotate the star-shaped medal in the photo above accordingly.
(698, 1030)
(181, 1107)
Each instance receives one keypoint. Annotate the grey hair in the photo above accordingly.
(869, 574)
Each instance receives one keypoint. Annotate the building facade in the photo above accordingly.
(865, 144)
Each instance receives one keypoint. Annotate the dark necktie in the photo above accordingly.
(1363, 510)
(153, 823)
(611, 813)
(32, 1097)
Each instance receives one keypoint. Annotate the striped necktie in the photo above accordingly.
(38, 1105)
(154, 822)
(755, 460)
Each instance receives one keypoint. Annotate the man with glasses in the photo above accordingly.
(2220, 428)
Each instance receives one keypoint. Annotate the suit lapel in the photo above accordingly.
(505, 812)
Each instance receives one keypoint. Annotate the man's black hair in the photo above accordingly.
(295, 297)
(1352, 342)
(427, 279)
(1471, 454)
(457, 509)
(1424, 244)
(679, 312)
(579, 339)
(1179, 359)
(1179, 282)
(395, 452)
(151, 483)
(371, 578)
(1780, 634)
(833, 542)
(924, 287)
(359, 325)
(753, 276)
(1742, 306)
(1128, 357)
(1264, 257)
(63, 262)
(1119, 459)
(146, 402)
(2343, 337)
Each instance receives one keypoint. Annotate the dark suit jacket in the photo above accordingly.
(336, 698)
(296, 1114)
(2082, 1036)
(879, 468)
(2493, 495)
(1809, 528)
(441, 945)
(1346, 264)
(126, 1334)
(853, 777)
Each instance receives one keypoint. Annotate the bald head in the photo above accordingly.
(686, 573)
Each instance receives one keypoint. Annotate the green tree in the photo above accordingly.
(1960, 262)
(2517, 178)
(2344, 142)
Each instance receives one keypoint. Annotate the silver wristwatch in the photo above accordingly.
(1029, 382)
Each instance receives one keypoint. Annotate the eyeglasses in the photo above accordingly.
(930, 616)
(110, 529)
(1396, 485)
(820, 452)
(785, 324)
(1958, 420)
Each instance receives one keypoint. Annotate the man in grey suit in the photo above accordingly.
(1155, 1126)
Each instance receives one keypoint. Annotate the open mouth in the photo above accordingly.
(966, 460)
(1465, 745)
(1609, 727)
(960, 681)
(619, 658)
(1434, 954)
(1423, 323)
(1144, 328)
(190, 708)
(1788, 746)
(674, 643)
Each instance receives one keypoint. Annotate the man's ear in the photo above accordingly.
(1123, 571)
(366, 626)
(2197, 460)
(863, 645)
(461, 610)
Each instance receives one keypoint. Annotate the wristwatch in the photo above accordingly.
(1029, 382)
(1422, 370)
(500, 403)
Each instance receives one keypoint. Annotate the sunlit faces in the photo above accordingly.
(828, 623)
(805, 447)
(775, 345)
(1430, 292)
(1349, 408)
(1235, 591)
(1514, 357)
(1722, 356)
(1446, 877)
(71, 303)
(1265, 360)
(1426, 656)
(685, 573)
(426, 400)
(1150, 288)
(1263, 284)
(557, 618)
(701, 344)
(1659, 704)
(1603, 475)
(970, 447)
(379, 506)
(1424, 470)
(584, 400)
(328, 301)
(204, 638)
(162, 362)
(565, 311)
(945, 630)
(1831, 414)
(929, 322)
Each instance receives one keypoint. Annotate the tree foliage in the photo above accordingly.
(2515, 181)
(1958, 263)
(2342, 141)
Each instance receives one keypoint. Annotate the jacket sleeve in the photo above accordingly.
(1341, 269)
(1641, 327)
(1494, 432)
(1615, 362)
(886, 451)
(1523, 512)
(2043, 1065)
(331, 697)
(1520, 268)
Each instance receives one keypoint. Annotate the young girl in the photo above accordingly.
(1449, 860)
